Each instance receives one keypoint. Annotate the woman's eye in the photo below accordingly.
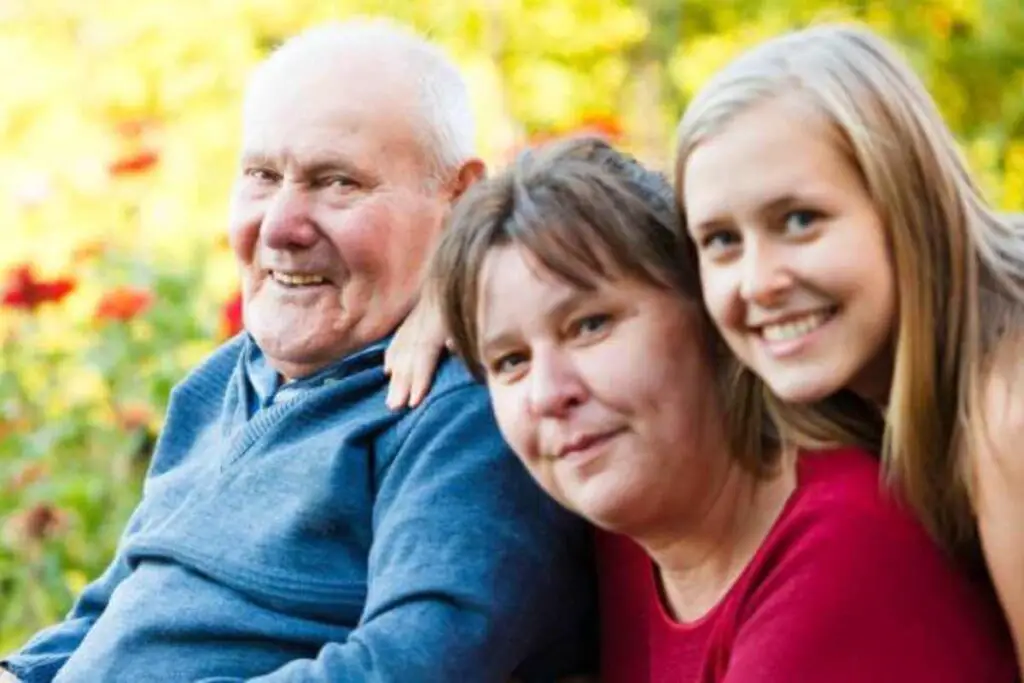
(718, 241)
(591, 324)
(503, 365)
(800, 221)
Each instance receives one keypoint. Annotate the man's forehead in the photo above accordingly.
(305, 120)
(322, 96)
(332, 76)
(334, 91)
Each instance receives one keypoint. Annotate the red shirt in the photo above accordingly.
(846, 587)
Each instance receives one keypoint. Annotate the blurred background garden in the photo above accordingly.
(119, 122)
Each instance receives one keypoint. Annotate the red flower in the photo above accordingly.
(231, 316)
(24, 290)
(604, 126)
(28, 475)
(38, 523)
(134, 164)
(134, 128)
(123, 304)
(133, 416)
(88, 251)
(607, 127)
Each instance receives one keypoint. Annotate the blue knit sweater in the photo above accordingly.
(310, 534)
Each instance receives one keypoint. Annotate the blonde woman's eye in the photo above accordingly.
(717, 241)
(800, 221)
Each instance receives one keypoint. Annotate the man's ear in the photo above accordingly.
(470, 172)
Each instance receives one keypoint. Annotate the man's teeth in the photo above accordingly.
(295, 280)
(791, 329)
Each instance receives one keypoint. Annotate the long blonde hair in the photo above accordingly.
(959, 267)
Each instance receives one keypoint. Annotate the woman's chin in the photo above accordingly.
(801, 391)
(612, 510)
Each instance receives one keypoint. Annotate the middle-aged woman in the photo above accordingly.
(564, 285)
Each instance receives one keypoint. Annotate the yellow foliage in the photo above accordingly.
(76, 581)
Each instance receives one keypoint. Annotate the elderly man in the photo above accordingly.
(292, 527)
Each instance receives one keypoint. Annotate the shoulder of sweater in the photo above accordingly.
(452, 376)
(217, 368)
(454, 395)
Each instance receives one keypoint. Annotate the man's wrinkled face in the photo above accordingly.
(332, 214)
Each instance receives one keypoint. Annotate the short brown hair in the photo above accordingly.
(583, 209)
(586, 212)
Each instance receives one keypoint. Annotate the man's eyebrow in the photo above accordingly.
(323, 162)
(315, 164)
(256, 159)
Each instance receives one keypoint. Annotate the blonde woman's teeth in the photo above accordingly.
(796, 327)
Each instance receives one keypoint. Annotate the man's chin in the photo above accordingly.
(291, 353)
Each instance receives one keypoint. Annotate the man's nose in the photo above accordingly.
(555, 383)
(766, 277)
(287, 224)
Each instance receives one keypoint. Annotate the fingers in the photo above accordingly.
(424, 365)
(398, 390)
(412, 357)
(412, 372)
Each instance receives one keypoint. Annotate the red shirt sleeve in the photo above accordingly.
(863, 595)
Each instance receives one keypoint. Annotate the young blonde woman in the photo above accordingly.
(853, 267)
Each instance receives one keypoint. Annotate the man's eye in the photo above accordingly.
(339, 182)
(261, 175)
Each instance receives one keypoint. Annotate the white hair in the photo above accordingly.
(447, 128)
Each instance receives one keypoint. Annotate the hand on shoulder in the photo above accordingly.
(414, 354)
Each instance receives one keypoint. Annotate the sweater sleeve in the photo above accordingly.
(473, 574)
(40, 660)
(868, 598)
(44, 655)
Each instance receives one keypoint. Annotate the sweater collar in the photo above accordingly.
(266, 382)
